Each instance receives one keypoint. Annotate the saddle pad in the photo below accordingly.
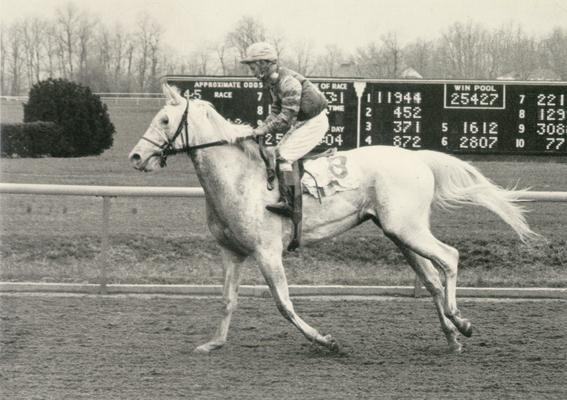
(332, 174)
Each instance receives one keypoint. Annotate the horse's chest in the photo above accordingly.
(229, 231)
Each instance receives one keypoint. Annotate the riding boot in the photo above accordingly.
(284, 206)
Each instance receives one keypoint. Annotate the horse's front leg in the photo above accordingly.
(231, 264)
(274, 274)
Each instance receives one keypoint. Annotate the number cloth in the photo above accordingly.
(329, 175)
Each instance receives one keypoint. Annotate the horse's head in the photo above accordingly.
(166, 133)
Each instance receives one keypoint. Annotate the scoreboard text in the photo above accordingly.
(473, 117)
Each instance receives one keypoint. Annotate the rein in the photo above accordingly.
(168, 148)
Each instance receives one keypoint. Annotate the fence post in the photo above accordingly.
(104, 256)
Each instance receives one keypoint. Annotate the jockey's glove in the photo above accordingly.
(259, 131)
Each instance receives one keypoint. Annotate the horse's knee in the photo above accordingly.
(436, 291)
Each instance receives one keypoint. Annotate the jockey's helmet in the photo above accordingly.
(260, 51)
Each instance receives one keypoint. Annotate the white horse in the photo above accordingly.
(397, 190)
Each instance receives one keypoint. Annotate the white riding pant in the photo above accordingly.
(301, 139)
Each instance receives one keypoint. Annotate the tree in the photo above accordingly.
(368, 61)
(303, 58)
(201, 59)
(3, 58)
(391, 55)
(148, 38)
(33, 32)
(555, 52)
(278, 39)
(248, 30)
(16, 57)
(50, 47)
(67, 19)
(419, 56)
(85, 34)
(330, 60)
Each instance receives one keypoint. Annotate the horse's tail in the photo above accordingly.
(458, 183)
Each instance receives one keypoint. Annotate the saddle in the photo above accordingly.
(269, 158)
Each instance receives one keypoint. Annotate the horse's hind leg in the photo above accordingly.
(420, 240)
(273, 271)
(429, 275)
(231, 265)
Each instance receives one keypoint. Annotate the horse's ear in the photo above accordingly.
(167, 92)
(172, 95)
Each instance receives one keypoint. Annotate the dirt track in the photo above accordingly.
(141, 348)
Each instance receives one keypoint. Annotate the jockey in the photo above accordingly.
(299, 110)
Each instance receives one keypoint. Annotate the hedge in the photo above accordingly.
(32, 139)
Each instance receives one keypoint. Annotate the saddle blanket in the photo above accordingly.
(329, 175)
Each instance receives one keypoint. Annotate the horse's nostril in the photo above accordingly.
(135, 157)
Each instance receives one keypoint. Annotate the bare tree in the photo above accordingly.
(201, 60)
(16, 57)
(147, 37)
(67, 20)
(228, 59)
(463, 46)
(104, 43)
(391, 55)
(129, 54)
(331, 59)
(303, 58)
(3, 58)
(121, 58)
(221, 53)
(368, 61)
(154, 55)
(33, 32)
(555, 51)
(419, 56)
(85, 34)
(525, 56)
(247, 31)
(278, 39)
(50, 46)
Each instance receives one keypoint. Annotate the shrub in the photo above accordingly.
(86, 126)
(32, 139)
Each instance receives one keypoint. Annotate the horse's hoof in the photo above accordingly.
(466, 328)
(203, 349)
(455, 348)
(332, 344)
(207, 347)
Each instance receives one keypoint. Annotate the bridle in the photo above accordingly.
(168, 147)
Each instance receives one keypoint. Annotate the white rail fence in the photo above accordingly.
(108, 192)
(122, 98)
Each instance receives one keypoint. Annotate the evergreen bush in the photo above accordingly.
(84, 119)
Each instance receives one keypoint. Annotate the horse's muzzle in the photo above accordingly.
(135, 160)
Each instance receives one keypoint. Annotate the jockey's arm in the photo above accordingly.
(283, 117)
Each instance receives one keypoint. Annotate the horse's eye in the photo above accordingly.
(165, 120)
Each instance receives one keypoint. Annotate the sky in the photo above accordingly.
(349, 24)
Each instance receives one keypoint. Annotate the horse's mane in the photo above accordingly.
(226, 130)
